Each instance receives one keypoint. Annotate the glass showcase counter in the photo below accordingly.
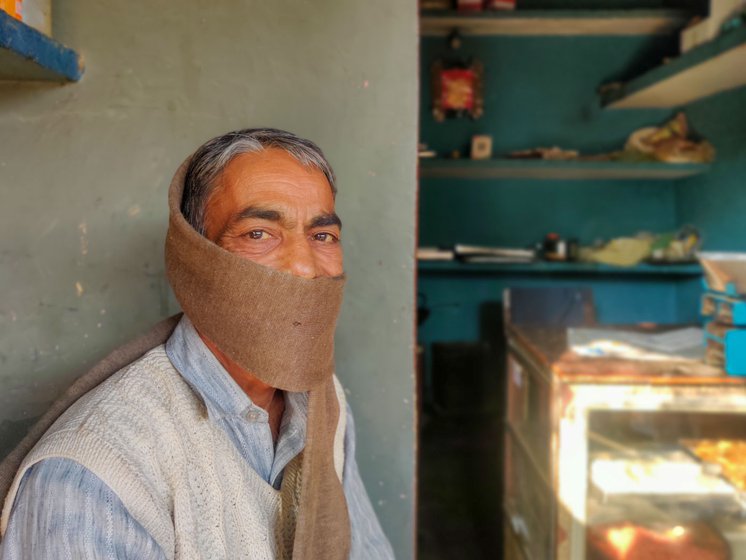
(621, 459)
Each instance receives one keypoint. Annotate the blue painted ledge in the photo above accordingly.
(438, 168)
(27, 54)
(541, 267)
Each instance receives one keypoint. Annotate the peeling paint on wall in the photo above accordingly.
(83, 229)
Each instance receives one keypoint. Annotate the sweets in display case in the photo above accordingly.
(728, 454)
(629, 541)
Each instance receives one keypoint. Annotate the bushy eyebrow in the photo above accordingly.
(258, 212)
(325, 220)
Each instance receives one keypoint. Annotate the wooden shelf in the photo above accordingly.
(541, 267)
(555, 22)
(711, 68)
(559, 170)
(27, 54)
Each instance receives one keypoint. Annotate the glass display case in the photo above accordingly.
(619, 459)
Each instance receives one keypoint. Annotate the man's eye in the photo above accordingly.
(257, 234)
(325, 237)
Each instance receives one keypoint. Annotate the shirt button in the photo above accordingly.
(253, 416)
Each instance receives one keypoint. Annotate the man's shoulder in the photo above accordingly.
(151, 370)
(146, 388)
(146, 377)
(127, 424)
(124, 431)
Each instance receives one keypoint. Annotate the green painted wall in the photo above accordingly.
(84, 170)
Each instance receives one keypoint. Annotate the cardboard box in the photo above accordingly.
(725, 272)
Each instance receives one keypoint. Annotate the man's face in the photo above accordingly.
(272, 210)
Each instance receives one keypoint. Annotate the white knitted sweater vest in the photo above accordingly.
(146, 435)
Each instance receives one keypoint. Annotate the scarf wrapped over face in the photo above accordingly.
(278, 327)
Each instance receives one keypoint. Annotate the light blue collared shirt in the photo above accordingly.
(62, 510)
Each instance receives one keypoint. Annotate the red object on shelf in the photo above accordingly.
(470, 5)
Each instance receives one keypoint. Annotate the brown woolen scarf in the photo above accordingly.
(280, 328)
(277, 326)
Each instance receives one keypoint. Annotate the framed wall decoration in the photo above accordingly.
(457, 90)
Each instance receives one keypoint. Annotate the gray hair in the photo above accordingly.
(209, 161)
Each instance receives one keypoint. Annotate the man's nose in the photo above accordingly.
(299, 259)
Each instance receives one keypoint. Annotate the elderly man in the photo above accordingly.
(227, 436)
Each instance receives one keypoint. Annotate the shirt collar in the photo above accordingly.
(206, 375)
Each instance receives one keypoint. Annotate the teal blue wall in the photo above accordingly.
(716, 201)
(519, 213)
(541, 91)
(460, 301)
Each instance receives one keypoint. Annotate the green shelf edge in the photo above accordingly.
(28, 54)
(676, 17)
(555, 170)
(690, 59)
(559, 13)
(541, 267)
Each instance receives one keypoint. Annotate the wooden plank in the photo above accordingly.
(27, 54)
(714, 67)
(556, 22)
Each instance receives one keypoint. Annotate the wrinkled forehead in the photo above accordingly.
(274, 174)
(270, 186)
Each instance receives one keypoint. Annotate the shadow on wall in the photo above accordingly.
(56, 335)
(12, 432)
